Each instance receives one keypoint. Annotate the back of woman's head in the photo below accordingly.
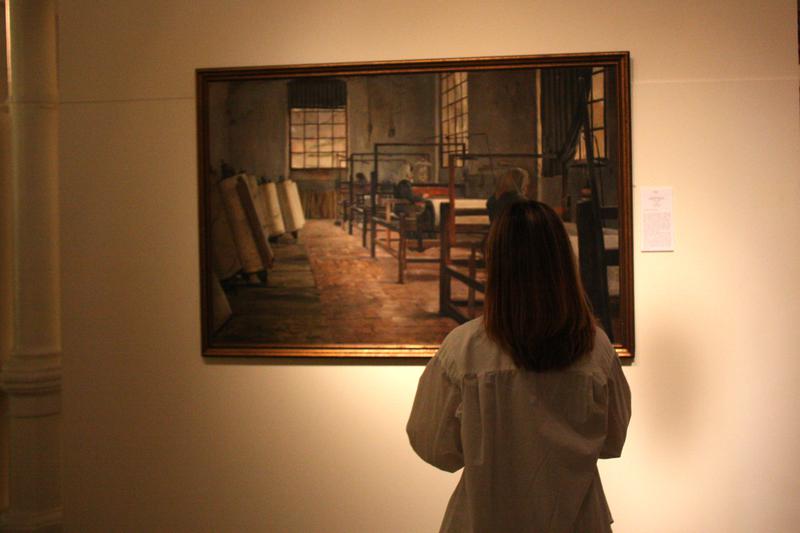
(535, 307)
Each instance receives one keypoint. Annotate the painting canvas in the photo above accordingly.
(344, 208)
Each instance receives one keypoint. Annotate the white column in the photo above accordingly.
(31, 377)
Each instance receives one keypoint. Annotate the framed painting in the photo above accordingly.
(344, 208)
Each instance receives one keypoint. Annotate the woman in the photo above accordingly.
(527, 397)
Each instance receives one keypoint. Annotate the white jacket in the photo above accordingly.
(528, 441)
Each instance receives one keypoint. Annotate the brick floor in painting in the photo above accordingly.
(327, 289)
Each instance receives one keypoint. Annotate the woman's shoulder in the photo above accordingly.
(468, 350)
(602, 356)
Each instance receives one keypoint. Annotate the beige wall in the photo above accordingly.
(156, 439)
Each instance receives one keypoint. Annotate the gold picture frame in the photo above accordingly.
(562, 121)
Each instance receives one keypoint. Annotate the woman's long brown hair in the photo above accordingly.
(535, 306)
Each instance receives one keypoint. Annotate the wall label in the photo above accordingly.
(657, 229)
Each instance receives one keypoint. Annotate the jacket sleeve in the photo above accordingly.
(619, 411)
(433, 428)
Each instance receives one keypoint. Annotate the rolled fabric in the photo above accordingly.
(259, 203)
(296, 205)
(220, 306)
(224, 255)
(272, 209)
(291, 207)
(240, 227)
(253, 204)
(258, 199)
(464, 203)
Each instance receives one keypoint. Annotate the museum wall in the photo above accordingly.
(157, 439)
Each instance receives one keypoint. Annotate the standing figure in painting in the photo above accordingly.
(527, 397)
(506, 192)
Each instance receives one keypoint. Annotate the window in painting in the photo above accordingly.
(454, 114)
(318, 137)
(597, 118)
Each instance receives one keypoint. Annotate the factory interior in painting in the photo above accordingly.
(354, 209)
